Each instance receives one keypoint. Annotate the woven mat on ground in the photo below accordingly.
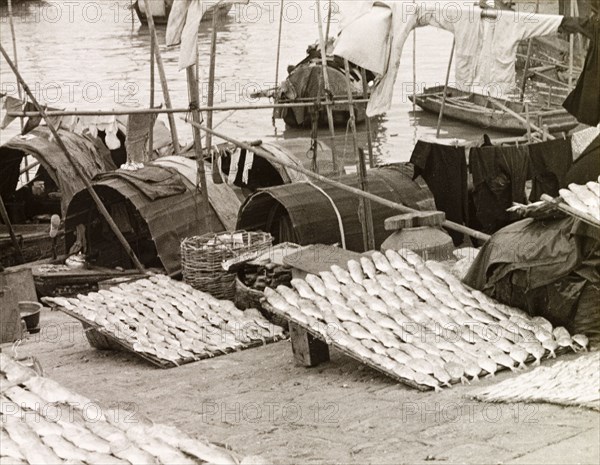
(570, 382)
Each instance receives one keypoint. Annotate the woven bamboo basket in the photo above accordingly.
(202, 258)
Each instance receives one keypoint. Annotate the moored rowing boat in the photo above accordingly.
(477, 109)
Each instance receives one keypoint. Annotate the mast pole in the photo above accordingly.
(440, 117)
(163, 77)
(364, 204)
(336, 167)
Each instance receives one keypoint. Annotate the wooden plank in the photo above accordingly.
(319, 257)
(308, 350)
(10, 321)
(224, 202)
(20, 282)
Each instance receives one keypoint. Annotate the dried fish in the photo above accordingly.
(356, 272)
(381, 262)
(330, 281)
(368, 267)
(342, 275)
(582, 341)
(316, 283)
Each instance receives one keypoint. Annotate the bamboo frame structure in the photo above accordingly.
(374, 198)
(101, 208)
(167, 111)
(323, 45)
(365, 204)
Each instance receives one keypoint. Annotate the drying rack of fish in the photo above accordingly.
(168, 322)
(415, 321)
(582, 202)
(569, 382)
(42, 422)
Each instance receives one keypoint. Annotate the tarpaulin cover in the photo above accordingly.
(91, 155)
(540, 266)
(154, 182)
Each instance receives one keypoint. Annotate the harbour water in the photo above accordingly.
(95, 55)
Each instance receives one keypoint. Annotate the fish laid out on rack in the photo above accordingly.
(580, 201)
(416, 322)
(168, 322)
(568, 382)
(44, 422)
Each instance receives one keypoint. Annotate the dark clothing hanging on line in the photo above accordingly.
(584, 101)
(587, 166)
(548, 165)
(444, 169)
(499, 176)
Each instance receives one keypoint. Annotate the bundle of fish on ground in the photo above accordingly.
(417, 321)
(585, 199)
(170, 320)
(42, 422)
(570, 382)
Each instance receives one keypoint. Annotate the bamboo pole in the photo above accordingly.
(278, 55)
(151, 133)
(528, 58)
(514, 114)
(325, 71)
(167, 111)
(365, 204)
(11, 231)
(327, 30)
(13, 36)
(163, 77)
(367, 119)
(441, 116)
(101, 208)
(211, 77)
(194, 96)
(353, 190)
(571, 47)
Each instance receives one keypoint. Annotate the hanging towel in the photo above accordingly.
(248, 163)
(11, 104)
(549, 163)
(233, 165)
(584, 101)
(444, 169)
(499, 176)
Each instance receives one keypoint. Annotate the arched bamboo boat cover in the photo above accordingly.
(305, 212)
(91, 154)
(155, 207)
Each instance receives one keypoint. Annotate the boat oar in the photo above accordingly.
(353, 190)
(76, 167)
(526, 124)
(441, 116)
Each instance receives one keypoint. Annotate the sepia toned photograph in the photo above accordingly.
(299, 232)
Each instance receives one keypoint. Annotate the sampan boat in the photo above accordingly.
(478, 110)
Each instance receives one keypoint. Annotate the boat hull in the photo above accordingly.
(221, 10)
(35, 244)
(477, 110)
